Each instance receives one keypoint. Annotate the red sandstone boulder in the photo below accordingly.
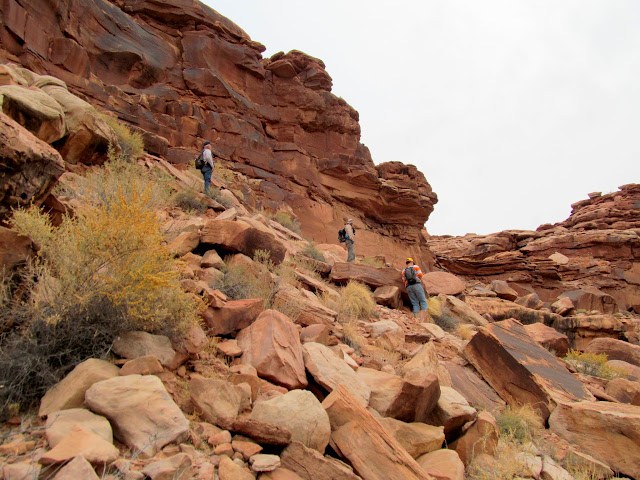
(442, 465)
(520, 370)
(388, 295)
(30, 167)
(624, 391)
(240, 237)
(549, 338)
(478, 438)
(215, 398)
(233, 315)
(15, 249)
(80, 442)
(582, 329)
(531, 300)
(473, 388)
(369, 275)
(416, 438)
(452, 411)
(606, 431)
(272, 345)
(436, 283)
(503, 290)
(133, 345)
(615, 350)
(309, 464)
(590, 298)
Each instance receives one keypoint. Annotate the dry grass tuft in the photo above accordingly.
(355, 301)
(522, 424)
(131, 144)
(465, 331)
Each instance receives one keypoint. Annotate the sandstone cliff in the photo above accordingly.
(180, 73)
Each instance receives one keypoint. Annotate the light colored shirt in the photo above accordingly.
(208, 157)
(348, 229)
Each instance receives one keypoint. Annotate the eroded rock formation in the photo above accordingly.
(180, 73)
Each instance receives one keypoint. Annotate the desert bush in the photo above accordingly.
(310, 250)
(222, 173)
(507, 464)
(373, 261)
(592, 364)
(440, 318)
(520, 423)
(355, 301)
(351, 336)
(100, 273)
(131, 144)
(188, 201)
(286, 220)
(465, 331)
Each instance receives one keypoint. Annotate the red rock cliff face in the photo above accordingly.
(600, 240)
(181, 73)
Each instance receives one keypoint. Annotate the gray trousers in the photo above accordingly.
(351, 253)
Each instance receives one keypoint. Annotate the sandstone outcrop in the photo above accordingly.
(615, 350)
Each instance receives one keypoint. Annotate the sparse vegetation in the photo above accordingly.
(351, 336)
(508, 463)
(373, 261)
(355, 301)
(310, 250)
(100, 273)
(592, 364)
(222, 173)
(188, 201)
(465, 331)
(286, 220)
(131, 143)
(520, 423)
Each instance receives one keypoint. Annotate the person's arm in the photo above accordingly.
(418, 271)
(208, 157)
(404, 281)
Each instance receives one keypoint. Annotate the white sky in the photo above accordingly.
(512, 109)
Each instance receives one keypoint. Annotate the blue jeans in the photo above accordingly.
(417, 297)
(206, 173)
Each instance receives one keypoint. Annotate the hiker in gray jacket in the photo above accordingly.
(207, 170)
(351, 235)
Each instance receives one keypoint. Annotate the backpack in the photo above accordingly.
(200, 163)
(342, 236)
(410, 276)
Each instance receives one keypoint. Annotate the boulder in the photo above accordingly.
(615, 350)
(76, 469)
(59, 424)
(531, 300)
(563, 306)
(416, 438)
(388, 295)
(272, 345)
(15, 250)
(229, 348)
(317, 333)
(234, 315)
(386, 334)
(309, 464)
(552, 471)
(409, 399)
(503, 290)
(632, 372)
(133, 345)
(229, 470)
(31, 470)
(590, 298)
(239, 237)
(212, 259)
(442, 465)
(500, 309)
(176, 467)
(147, 365)
(184, 243)
(549, 338)
(70, 391)
(457, 309)
(474, 389)
(582, 329)
(34, 110)
(452, 411)
(264, 463)
(426, 361)
(343, 272)
(141, 412)
(30, 168)
(373, 452)
(299, 411)
(307, 307)
(520, 370)
(436, 283)
(479, 437)
(624, 391)
(88, 136)
(262, 432)
(604, 430)
(280, 474)
(215, 398)
(330, 371)
(79, 442)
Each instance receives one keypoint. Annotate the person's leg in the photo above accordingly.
(414, 298)
(351, 253)
(422, 298)
(206, 173)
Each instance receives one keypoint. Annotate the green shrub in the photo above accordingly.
(592, 364)
(131, 144)
(189, 201)
(310, 250)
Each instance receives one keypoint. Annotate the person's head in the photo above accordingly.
(409, 262)
(207, 145)
(350, 221)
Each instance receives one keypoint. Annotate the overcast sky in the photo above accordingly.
(512, 109)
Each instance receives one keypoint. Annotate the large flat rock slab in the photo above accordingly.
(615, 350)
(520, 370)
(610, 432)
(369, 275)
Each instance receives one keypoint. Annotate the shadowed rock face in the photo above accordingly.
(600, 240)
(181, 73)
